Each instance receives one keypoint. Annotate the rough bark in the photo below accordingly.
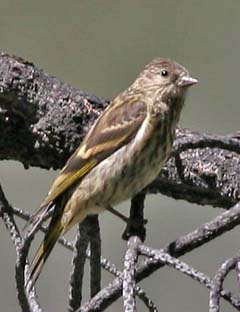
(43, 120)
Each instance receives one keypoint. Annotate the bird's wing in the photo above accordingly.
(114, 128)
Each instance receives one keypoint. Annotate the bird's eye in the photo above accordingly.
(164, 73)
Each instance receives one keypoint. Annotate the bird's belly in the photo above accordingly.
(121, 176)
(133, 179)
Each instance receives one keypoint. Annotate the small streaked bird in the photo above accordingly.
(121, 154)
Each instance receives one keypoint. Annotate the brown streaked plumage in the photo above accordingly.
(122, 153)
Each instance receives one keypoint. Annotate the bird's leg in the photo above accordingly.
(116, 213)
(136, 223)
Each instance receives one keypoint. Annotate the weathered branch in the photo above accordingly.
(205, 233)
(164, 258)
(28, 301)
(217, 284)
(95, 259)
(78, 263)
(105, 264)
(43, 120)
(129, 273)
(88, 234)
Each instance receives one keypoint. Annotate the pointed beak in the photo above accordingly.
(186, 81)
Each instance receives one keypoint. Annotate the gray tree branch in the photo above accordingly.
(43, 120)
(28, 301)
(205, 233)
(217, 283)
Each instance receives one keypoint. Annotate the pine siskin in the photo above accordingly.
(121, 154)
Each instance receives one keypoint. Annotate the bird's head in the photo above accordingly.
(165, 74)
(166, 82)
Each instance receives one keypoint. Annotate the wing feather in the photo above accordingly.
(114, 128)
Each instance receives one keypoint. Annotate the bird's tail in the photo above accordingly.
(55, 229)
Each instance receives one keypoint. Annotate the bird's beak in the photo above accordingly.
(186, 81)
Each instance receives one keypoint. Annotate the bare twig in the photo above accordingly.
(164, 258)
(217, 284)
(88, 233)
(105, 264)
(129, 273)
(205, 233)
(78, 262)
(95, 257)
(27, 301)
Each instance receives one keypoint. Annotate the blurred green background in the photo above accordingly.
(100, 46)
